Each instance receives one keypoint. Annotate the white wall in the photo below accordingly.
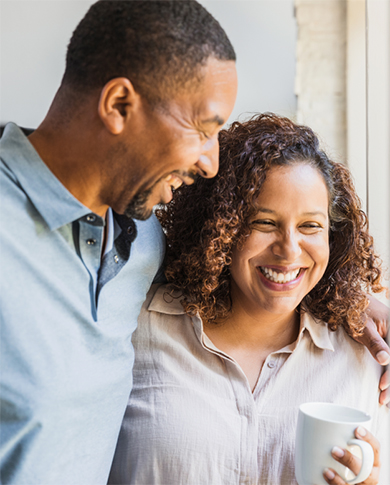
(320, 80)
(35, 33)
(378, 126)
(263, 33)
(368, 115)
(34, 36)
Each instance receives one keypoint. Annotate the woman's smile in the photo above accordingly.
(279, 280)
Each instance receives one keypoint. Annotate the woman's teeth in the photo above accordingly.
(276, 277)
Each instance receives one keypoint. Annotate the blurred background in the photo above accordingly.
(324, 63)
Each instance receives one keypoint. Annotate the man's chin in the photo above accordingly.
(140, 207)
(141, 213)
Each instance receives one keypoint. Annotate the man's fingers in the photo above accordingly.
(384, 397)
(380, 315)
(384, 383)
(375, 343)
(384, 386)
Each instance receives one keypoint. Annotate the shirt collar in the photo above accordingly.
(315, 329)
(318, 331)
(38, 182)
(164, 301)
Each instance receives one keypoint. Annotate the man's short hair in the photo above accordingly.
(159, 46)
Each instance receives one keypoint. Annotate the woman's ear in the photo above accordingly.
(118, 101)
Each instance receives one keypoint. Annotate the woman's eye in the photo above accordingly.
(311, 227)
(260, 221)
(263, 223)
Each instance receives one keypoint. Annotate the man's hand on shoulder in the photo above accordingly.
(375, 333)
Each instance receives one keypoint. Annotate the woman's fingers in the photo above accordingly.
(353, 462)
(365, 435)
(332, 477)
(347, 459)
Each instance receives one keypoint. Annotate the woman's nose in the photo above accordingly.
(288, 247)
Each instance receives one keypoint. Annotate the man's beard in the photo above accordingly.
(137, 207)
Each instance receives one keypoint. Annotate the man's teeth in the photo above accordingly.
(276, 277)
(173, 181)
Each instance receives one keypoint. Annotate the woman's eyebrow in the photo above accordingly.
(315, 213)
(311, 213)
(264, 209)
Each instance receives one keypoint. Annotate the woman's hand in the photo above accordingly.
(353, 462)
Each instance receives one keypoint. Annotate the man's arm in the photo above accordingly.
(375, 333)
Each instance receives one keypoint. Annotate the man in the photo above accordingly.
(146, 89)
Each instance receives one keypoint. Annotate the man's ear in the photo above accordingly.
(118, 100)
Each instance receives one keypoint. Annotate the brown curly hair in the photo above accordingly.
(206, 220)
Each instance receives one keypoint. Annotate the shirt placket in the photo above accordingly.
(91, 230)
(248, 473)
(264, 385)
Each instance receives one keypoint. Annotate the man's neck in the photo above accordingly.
(72, 159)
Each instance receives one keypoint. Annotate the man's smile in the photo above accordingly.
(174, 181)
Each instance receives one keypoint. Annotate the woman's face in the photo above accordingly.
(287, 251)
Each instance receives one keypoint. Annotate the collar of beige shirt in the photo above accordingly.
(166, 302)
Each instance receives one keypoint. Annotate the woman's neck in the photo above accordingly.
(250, 338)
(263, 330)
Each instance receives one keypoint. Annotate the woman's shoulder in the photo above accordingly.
(358, 364)
(162, 298)
(162, 316)
(340, 350)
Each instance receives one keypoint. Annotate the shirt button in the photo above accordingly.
(271, 364)
(116, 259)
(91, 218)
(130, 230)
(91, 242)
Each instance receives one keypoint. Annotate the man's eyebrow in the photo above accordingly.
(215, 119)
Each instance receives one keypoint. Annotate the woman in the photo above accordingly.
(268, 266)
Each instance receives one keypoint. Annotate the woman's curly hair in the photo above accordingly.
(206, 220)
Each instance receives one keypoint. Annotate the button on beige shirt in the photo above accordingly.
(192, 418)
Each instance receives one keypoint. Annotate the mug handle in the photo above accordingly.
(367, 460)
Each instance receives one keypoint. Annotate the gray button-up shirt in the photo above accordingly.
(66, 353)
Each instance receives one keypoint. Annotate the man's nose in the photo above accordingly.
(288, 247)
(208, 162)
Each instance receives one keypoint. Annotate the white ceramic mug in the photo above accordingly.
(321, 426)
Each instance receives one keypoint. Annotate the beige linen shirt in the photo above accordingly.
(192, 418)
